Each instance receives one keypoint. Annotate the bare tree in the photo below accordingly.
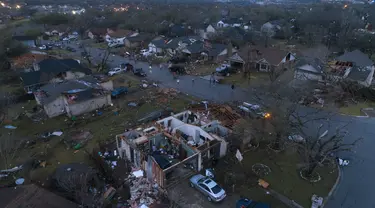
(315, 149)
(9, 147)
(104, 61)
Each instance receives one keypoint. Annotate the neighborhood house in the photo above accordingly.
(165, 148)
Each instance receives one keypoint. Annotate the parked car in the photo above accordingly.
(119, 91)
(254, 110)
(43, 47)
(115, 71)
(139, 72)
(208, 187)
(248, 203)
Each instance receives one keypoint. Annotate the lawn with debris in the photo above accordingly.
(283, 177)
(103, 126)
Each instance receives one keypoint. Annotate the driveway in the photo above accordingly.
(357, 186)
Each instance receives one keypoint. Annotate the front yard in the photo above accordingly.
(284, 177)
(355, 109)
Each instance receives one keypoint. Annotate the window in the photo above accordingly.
(263, 66)
(216, 189)
(204, 187)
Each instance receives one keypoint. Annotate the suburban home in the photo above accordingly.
(232, 22)
(162, 148)
(271, 28)
(72, 97)
(360, 75)
(309, 69)
(180, 43)
(52, 71)
(208, 51)
(158, 45)
(98, 34)
(263, 59)
(206, 31)
(26, 40)
(32, 196)
(355, 61)
(138, 41)
(179, 30)
(58, 30)
(118, 34)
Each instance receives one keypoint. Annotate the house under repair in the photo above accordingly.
(175, 147)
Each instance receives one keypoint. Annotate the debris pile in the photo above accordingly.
(224, 113)
(79, 138)
(143, 193)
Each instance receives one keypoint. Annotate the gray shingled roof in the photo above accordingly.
(360, 59)
(358, 73)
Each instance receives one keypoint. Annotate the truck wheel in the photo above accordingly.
(209, 199)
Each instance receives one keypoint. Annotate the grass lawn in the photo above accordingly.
(284, 177)
(103, 128)
(355, 109)
(102, 45)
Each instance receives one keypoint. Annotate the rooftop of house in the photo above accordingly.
(357, 57)
(310, 64)
(359, 73)
(121, 33)
(27, 60)
(272, 55)
(51, 67)
(32, 196)
(98, 31)
(141, 37)
(159, 43)
(176, 42)
(82, 89)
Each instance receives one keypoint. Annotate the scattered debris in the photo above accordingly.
(317, 201)
(20, 181)
(142, 192)
(239, 155)
(138, 173)
(17, 168)
(10, 127)
(132, 104)
(343, 162)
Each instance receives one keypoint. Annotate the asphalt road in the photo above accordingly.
(357, 185)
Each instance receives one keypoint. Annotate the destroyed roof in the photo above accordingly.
(359, 73)
(32, 196)
(141, 37)
(81, 87)
(358, 57)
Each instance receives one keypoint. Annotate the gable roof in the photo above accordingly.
(81, 87)
(306, 63)
(174, 43)
(216, 49)
(272, 55)
(141, 37)
(49, 68)
(359, 73)
(120, 33)
(159, 43)
(32, 196)
(358, 57)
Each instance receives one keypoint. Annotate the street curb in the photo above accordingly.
(334, 187)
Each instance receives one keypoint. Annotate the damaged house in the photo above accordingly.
(52, 70)
(353, 66)
(72, 97)
(175, 147)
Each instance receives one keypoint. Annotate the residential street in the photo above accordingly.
(356, 188)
